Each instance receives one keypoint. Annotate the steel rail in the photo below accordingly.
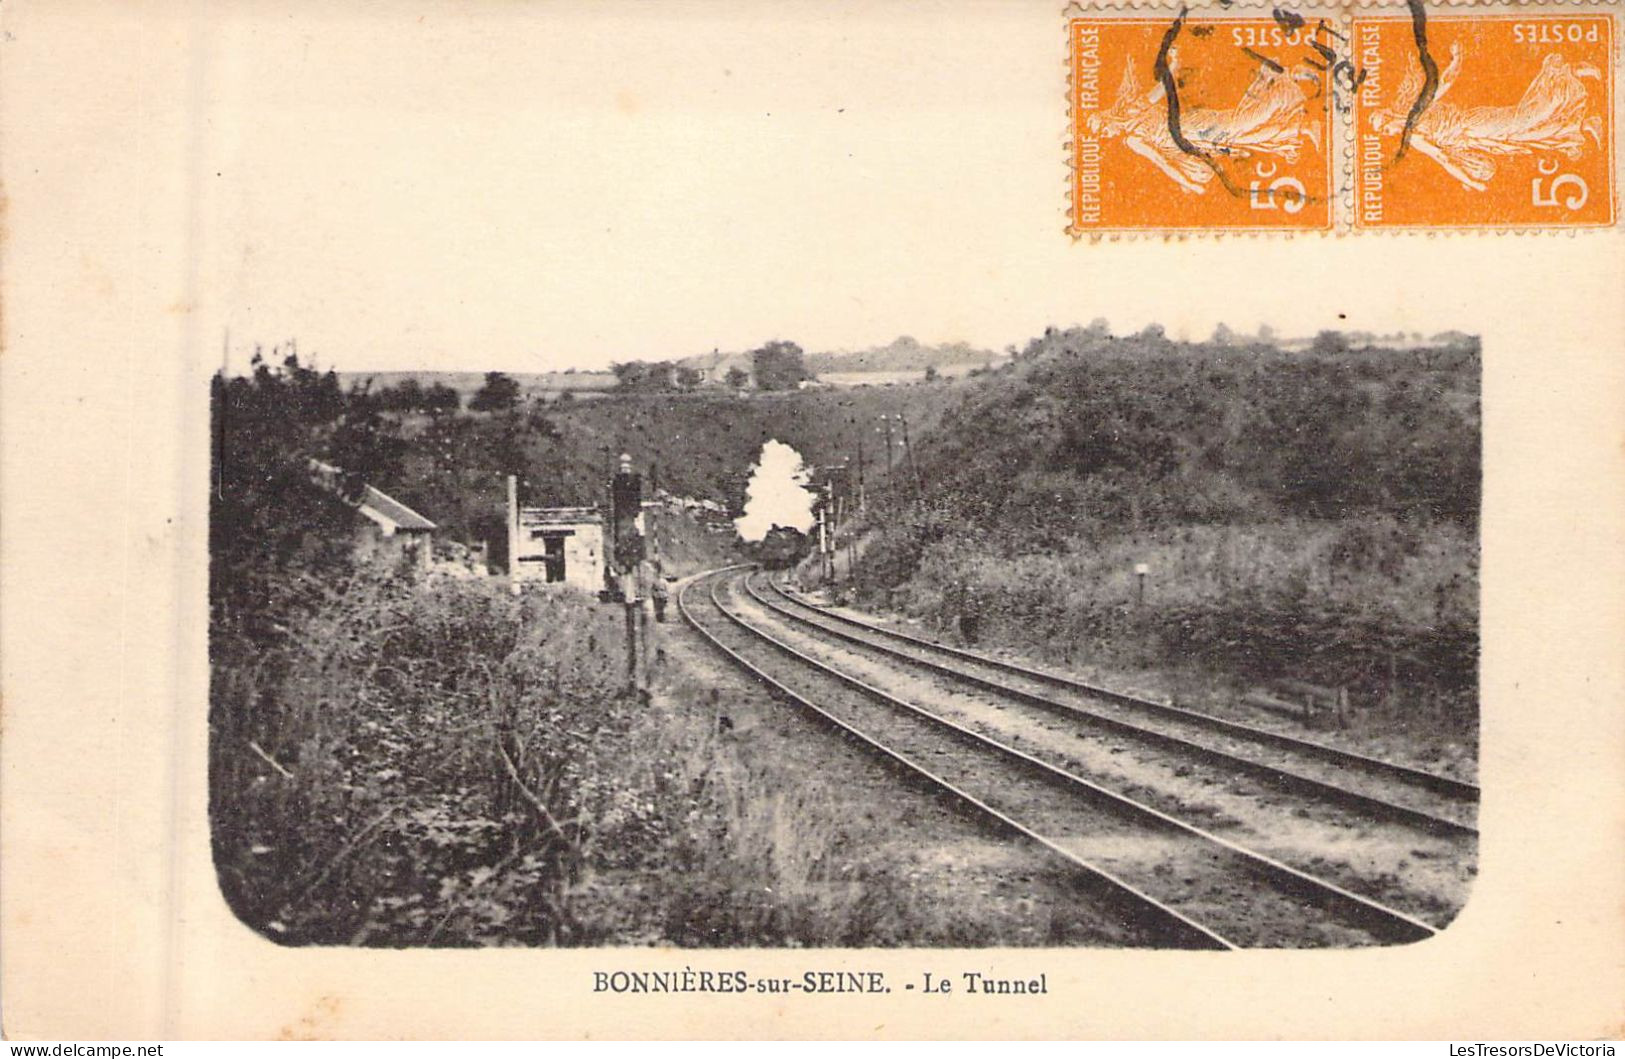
(1177, 928)
(1381, 921)
(1274, 774)
(1308, 747)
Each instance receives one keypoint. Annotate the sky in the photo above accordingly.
(531, 187)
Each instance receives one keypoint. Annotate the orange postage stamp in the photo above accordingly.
(1202, 122)
(1485, 120)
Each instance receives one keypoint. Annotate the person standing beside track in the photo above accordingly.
(627, 583)
(641, 585)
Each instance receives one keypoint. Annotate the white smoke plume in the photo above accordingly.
(777, 493)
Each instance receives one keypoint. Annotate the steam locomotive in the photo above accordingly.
(782, 548)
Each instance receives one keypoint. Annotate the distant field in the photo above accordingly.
(892, 378)
(467, 382)
(550, 384)
(556, 381)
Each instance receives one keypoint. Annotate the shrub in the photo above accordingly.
(399, 746)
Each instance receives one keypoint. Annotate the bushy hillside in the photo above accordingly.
(1095, 435)
(904, 353)
(1305, 515)
(704, 445)
(700, 445)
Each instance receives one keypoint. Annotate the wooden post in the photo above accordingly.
(632, 646)
(513, 533)
(834, 524)
(860, 473)
(908, 450)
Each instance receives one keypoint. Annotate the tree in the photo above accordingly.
(779, 366)
(504, 447)
(638, 376)
(737, 377)
(931, 373)
(405, 396)
(687, 378)
(1223, 336)
(1329, 342)
(364, 446)
(269, 522)
(499, 393)
(440, 398)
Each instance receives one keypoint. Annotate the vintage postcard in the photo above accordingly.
(789, 521)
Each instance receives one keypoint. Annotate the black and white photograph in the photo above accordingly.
(1095, 640)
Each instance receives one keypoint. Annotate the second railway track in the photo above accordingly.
(1191, 887)
(1370, 786)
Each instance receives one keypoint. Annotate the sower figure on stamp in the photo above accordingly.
(1271, 118)
(1552, 116)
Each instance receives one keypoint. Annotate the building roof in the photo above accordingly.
(718, 362)
(375, 504)
(542, 516)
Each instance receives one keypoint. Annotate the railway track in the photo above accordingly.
(1179, 884)
(1366, 785)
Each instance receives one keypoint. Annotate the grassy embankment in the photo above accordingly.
(446, 765)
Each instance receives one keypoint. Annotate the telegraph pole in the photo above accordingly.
(835, 545)
(835, 521)
(914, 468)
(626, 504)
(861, 504)
(513, 533)
(823, 536)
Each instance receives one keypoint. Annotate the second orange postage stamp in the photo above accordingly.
(1485, 120)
